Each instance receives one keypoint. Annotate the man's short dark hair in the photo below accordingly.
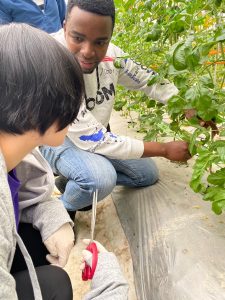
(99, 7)
(41, 82)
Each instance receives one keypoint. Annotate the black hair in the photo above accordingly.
(99, 7)
(41, 82)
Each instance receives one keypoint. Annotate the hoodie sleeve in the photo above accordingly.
(7, 282)
(89, 134)
(134, 76)
(37, 206)
(7, 245)
(108, 282)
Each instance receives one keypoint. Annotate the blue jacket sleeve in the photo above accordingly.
(4, 17)
(62, 10)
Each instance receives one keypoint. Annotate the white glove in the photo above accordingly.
(87, 255)
(59, 245)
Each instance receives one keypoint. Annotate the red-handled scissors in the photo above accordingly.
(88, 271)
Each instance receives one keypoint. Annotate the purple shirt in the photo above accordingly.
(14, 185)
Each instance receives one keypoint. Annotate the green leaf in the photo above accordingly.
(175, 105)
(218, 207)
(179, 59)
(192, 94)
(217, 178)
(212, 192)
(154, 34)
(206, 81)
(118, 3)
(202, 103)
(119, 105)
(173, 71)
(200, 137)
(154, 79)
(197, 186)
(185, 136)
(205, 48)
(207, 115)
(192, 145)
(192, 59)
(128, 4)
(222, 132)
(150, 103)
(151, 135)
(217, 196)
(174, 126)
(221, 152)
(177, 26)
(220, 35)
(217, 144)
(180, 81)
(218, 3)
(148, 4)
(204, 160)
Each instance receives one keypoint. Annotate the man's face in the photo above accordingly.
(87, 36)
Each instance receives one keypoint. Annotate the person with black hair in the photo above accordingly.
(92, 157)
(36, 107)
(37, 104)
(42, 14)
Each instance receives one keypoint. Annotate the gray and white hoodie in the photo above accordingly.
(89, 132)
(47, 214)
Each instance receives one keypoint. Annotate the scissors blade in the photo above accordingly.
(93, 218)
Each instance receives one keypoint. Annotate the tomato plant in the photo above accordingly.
(183, 41)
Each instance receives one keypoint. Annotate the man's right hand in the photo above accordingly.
(175, 151)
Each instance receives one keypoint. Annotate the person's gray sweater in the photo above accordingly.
(47, 214)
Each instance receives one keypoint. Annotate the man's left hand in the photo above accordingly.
(190, 113)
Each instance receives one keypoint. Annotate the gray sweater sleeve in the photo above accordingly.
(47, 216)
(7, 244)
(7, 236)
(37, 206)
(108, 282)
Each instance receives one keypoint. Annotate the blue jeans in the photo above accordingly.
(87, 172)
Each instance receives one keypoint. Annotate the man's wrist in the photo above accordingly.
(153, 149)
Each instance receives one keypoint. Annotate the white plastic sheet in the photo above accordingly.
(177, 243)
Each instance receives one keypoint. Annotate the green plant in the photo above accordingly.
(185, 40)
